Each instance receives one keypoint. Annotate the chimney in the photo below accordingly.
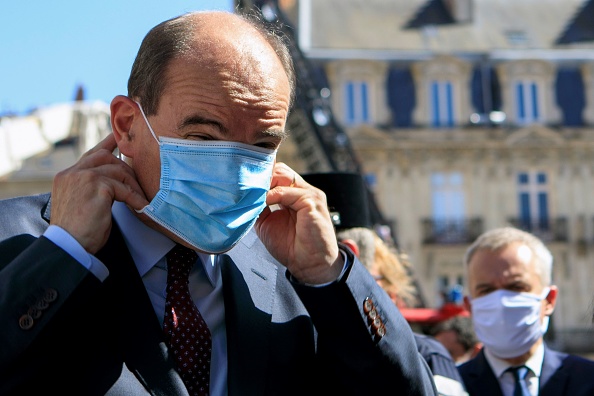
(80, 94)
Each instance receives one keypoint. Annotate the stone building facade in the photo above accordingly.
(465, 116)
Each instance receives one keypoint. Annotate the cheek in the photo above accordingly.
(147, 167)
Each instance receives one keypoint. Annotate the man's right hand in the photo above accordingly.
(83, 194)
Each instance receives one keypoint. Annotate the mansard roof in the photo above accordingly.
(416, 29)
(581, 27)
(434, 12)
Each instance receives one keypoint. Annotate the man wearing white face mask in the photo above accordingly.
(510, 296)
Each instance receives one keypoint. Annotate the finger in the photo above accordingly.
(305, 197)
(97, 157)
(284, 176)
(124, 192)
(122, 183)
(107, 143)
(103, 169)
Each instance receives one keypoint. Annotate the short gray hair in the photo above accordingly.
(500, 237)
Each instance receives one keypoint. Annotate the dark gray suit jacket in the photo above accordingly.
(574, 377)
(62, 331)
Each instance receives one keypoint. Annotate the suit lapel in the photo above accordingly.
(481, 380)
(553, 376)
(248, 291)
(140, 335)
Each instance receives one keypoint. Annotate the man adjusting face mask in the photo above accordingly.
(211, 192)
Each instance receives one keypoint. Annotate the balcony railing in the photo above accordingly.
(451, 232)
(548, 230)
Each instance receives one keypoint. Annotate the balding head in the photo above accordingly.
(220, 41)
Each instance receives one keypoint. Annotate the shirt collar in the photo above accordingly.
(534, 363)
(148, 246)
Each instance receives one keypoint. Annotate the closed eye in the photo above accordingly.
(268, 145)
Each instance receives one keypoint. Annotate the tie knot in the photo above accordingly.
(180, 260)
(519, 372)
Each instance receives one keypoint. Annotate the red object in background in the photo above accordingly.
(427, 316)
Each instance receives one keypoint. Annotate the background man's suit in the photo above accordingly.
(572, 378)
(270, 336)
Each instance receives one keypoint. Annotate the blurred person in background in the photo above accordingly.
(511, 298)
(457, 335)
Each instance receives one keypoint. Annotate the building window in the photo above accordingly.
(441, 103)
(527, 102)
(527, 92)
(356, 102)
(448, 207)
(533, 201)
(360, 92)
(442, 92)
(447, 195)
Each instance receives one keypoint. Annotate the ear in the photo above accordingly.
(123, 113)
(351, 245)
(467, 303)
(476, 349)
(551, 300)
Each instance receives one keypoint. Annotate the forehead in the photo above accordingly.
(244, 85)
(241, 100)
(237, 58)
(511, 263)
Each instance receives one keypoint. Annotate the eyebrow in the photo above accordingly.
(279, 133)
(515, 284)
(518, 284)
(482, 286)
(199, 120)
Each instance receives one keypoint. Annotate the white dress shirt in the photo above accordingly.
(507, 381)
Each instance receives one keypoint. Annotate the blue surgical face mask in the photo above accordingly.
(211, 192)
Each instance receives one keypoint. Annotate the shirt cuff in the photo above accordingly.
(64, 240)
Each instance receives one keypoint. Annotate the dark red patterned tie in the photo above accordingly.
(185, 330)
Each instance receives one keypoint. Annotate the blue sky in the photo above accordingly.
(48, 48)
